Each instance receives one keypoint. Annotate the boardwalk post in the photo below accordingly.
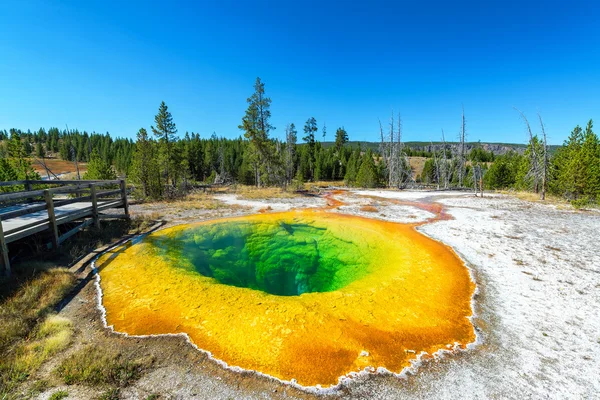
(4, 250)
(94, 206)
(51, 218)
(124, 197)
(28, 188)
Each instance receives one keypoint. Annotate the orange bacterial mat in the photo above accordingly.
(305, 295)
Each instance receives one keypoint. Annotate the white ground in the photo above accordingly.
(404, 214)
(409, 195)
(275, 204)
(538, 272)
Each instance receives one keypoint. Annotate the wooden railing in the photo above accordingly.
(27, 220)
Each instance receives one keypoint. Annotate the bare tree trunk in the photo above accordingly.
(481, 183)
(475, 180)
(446, 169)
(461, 161)
(545, 162)
(404, 173)
(43, 164)
(437, 166)
(535, 171)
(74, 153)
(383, 147)
(391, 158)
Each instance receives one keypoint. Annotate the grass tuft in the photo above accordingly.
(110, 394)
(59, 395)
(95, 366)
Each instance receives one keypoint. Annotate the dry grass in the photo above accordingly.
(143, 222)
(92, 238)
(252, 192)
(95, 365)
(25, 343)
(324, 184)
(51, 337)
(417, 164)
(194, 201)
(36, 298)
(199, 201)
(535, 198)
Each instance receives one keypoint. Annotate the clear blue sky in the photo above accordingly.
(106, 66)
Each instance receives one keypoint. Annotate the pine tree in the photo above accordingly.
(145, 167)
(590, 157)
(98, 169)
(502, 173)
(39, 149)
(20, 166)
(256, 127)
(290, 138)
(310, 128)
(569, 167)
(367, 174)
(352, 168)
(341, 138)
(165, 131)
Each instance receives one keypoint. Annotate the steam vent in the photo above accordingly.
(305, 295)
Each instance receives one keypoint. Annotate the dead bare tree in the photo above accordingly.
(461, 156)
(446, 166)
(383, 146)
(221, 178)
(395, 161)
(474, 174)
(436, 166)
(406, 174)
(42, 162)
(536, 172)
(392, 157)
(478, 179)
(544, 161)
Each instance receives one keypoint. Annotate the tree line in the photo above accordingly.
(160, 163)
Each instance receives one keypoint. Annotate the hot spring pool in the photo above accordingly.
(285, 258)
(304, 295)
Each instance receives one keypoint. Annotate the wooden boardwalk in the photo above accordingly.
(31, 211)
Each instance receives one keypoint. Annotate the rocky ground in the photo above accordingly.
(537, 270)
